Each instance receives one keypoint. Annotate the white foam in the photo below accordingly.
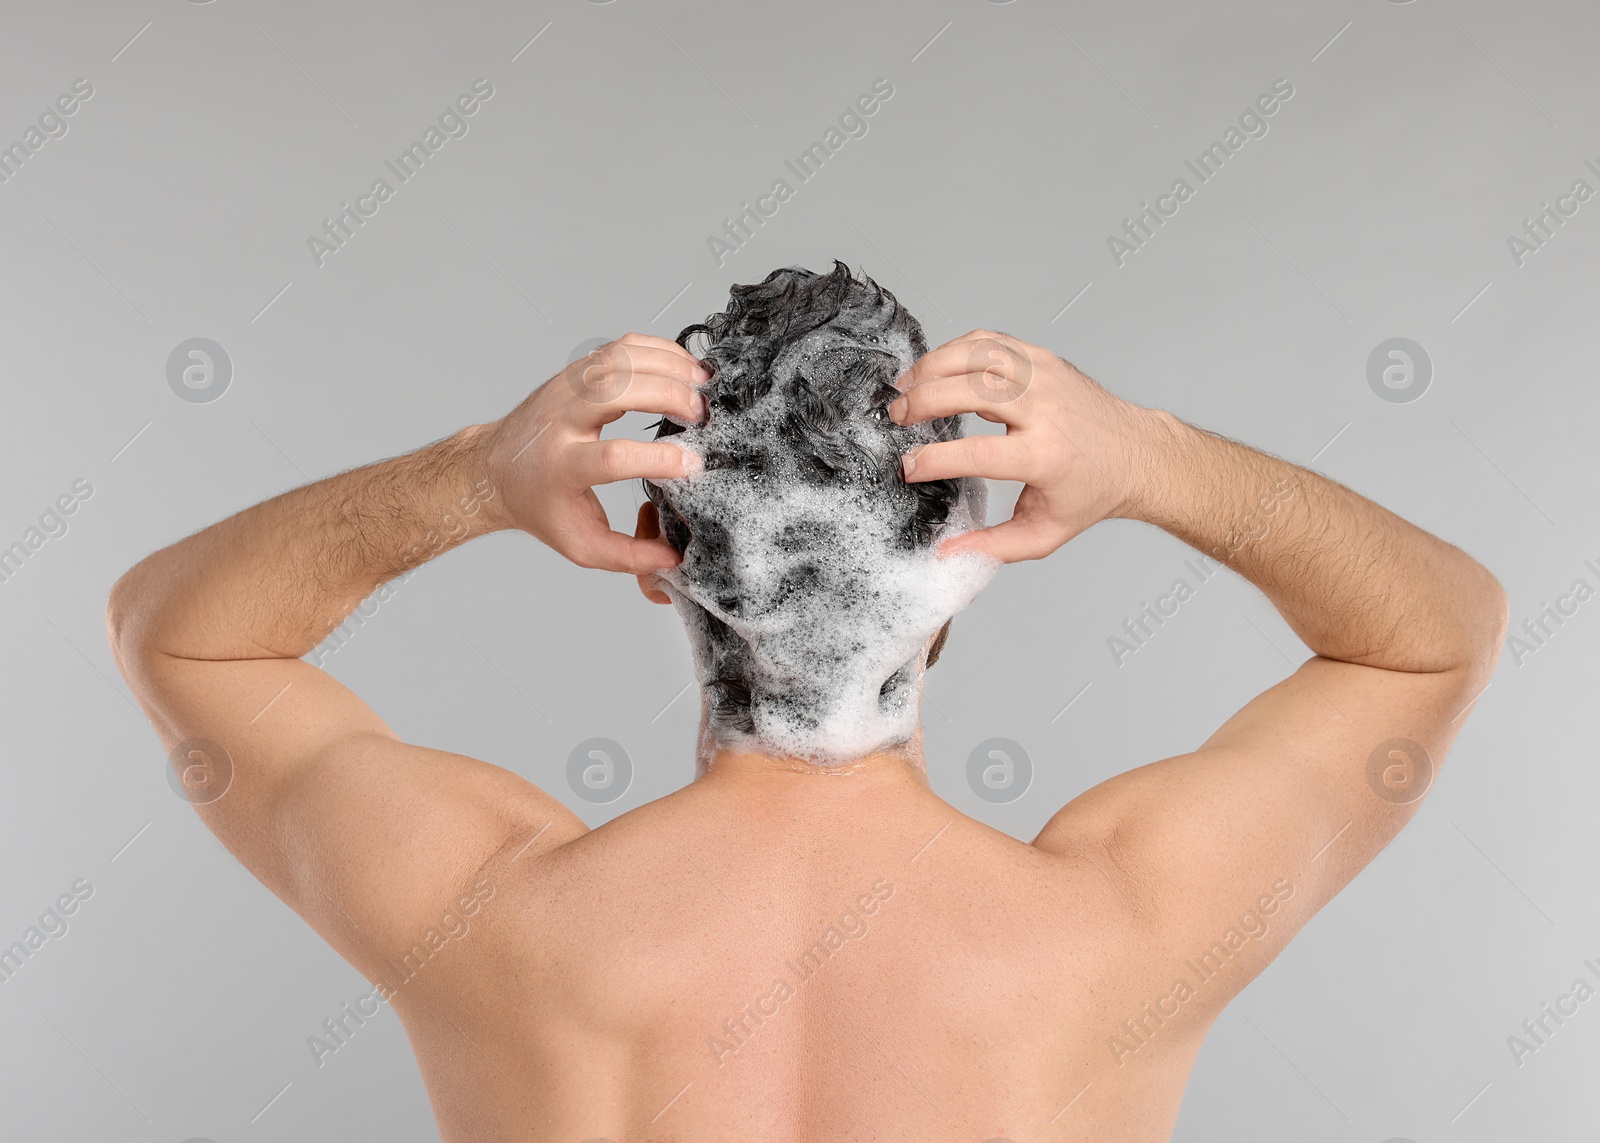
(828, 605)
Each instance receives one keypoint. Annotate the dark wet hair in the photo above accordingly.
(834, 427)
(832, 399)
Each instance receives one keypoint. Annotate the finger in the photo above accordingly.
(648, 527)
(613, 551)
(605, 373)
(591, 375)
(1013, 456)
(588, 463)
(643, 393)
(1010, 542)
(991, 397)
(647, 586)
(584, 536)
(662, 343)
(973, 335)
(979, 351)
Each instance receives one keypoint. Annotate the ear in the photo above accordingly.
(649, 528)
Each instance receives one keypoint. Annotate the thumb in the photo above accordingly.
(1009, 542)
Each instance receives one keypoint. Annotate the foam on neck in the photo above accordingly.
(831, 616)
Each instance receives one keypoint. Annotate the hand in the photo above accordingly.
(1072, 444)
(545, 456)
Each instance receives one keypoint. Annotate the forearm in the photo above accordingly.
(1354, 581)
(273, 580)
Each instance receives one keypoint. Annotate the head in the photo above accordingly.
(808, 584)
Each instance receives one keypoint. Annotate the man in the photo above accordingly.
(805, 943)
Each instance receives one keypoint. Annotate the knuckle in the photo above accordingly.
(1027, 460)
(989, 349)
(613, 456)
(666, 457)
(689, 400)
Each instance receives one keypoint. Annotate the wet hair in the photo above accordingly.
(833, 399)
(803, 368)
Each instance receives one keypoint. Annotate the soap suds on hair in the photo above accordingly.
(809, 585)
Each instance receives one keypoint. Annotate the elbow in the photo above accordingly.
(122, 616)
(117, 617)
(1489, 619)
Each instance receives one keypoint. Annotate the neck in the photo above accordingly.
(807, 815)
(901, 766)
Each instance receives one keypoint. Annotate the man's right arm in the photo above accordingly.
(1311, 779)
(367, 837)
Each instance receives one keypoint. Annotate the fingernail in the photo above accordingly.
(897, 408)
(908, 462)
(692, 463)
(700, 406)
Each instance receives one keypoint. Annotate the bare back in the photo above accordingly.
(683, 973)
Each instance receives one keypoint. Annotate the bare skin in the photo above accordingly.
(778, 952)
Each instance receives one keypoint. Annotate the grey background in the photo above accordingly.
(219, 137)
